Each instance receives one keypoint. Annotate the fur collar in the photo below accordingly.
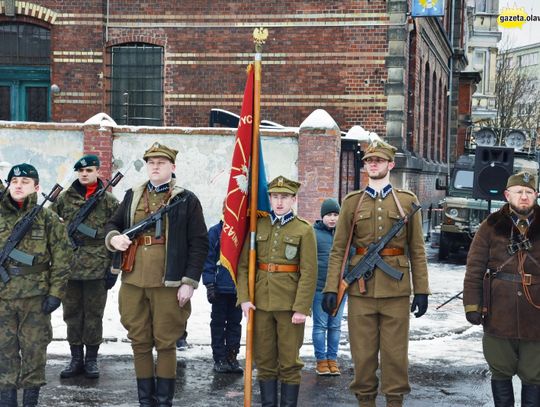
(502, 223)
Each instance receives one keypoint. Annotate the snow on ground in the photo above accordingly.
(439, 337)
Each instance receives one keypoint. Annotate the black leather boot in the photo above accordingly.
(30, 397)
(91, 370)
(146, 389)
(234, 366)
(530, 395)
(503, 393)
(8, 397)
(289, 395)
(165, 392)
(76, 366)
(268, 393)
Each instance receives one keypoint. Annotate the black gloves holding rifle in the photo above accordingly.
(49, 304)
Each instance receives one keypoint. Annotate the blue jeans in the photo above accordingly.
(326, 329)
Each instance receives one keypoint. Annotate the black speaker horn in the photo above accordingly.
(492, 167)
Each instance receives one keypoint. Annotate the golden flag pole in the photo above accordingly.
(259, 37)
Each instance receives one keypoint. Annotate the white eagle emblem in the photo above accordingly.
(16, 171)
(83, 162)
(242, 180)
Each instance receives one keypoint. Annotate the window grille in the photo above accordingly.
(24, 44)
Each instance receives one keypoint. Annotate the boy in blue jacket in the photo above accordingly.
(225, 318)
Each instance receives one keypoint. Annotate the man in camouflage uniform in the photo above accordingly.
(154, 298)
(33, 292)
(501, 291)
(378, 317)
(86, 291)
(285, 285)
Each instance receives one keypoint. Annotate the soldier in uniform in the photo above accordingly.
(32, 293)
(154, 298)
(86, 292)
(378, 316)
(502, 291)
(285, 284)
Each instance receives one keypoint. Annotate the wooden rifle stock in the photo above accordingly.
(341, 293)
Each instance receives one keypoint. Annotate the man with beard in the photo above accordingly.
(502, 291)
(378, 313)
(86, 292)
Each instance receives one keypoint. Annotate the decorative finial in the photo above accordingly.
(260, 35)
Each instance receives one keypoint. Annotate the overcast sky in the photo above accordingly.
(518, 37)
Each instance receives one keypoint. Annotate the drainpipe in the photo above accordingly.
(450, 80)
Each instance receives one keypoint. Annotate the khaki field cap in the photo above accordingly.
(283, 185)
(381, 149)
(523, 179)
(160, 150)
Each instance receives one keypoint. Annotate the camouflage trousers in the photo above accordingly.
(83, 305)
(25, 333)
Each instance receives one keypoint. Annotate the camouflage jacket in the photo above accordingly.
(47, 241)
(92, 257)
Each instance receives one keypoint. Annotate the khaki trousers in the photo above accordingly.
(153, 318)
(276, 346)
(379, 326)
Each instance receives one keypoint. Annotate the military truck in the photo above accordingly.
(461, 213)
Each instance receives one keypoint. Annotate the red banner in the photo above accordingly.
(235, 218)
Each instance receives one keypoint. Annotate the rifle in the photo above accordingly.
(19, 231)
(77, 224)
(372, 259)
(4, 192)
(458, 295)
(155, 218)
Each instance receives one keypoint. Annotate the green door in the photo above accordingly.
(25, 98)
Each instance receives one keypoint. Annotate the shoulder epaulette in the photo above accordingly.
(353, 193)
(303, 220)
(405, 191)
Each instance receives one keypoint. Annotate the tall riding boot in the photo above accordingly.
(165, 392)
(268, 393)
(503, 393)
(289, 394)
(76, 365)
(146, 389)
(30, 397)
(530, 395)
(8, 397)
(91, 370)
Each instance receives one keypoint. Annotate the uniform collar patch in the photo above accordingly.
(384, 192)
(159, 188)
(284, 219)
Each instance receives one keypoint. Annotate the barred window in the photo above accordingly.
(24, 44)
(137, 84)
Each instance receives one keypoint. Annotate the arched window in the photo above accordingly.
(25, 55)
(136, 93)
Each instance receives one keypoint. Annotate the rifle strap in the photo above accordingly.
(398, 204)
(348, 247)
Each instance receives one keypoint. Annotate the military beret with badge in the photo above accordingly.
(89, 160)
(23, 170)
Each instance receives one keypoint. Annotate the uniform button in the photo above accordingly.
(380, 200)
(380, 217)
(379, 209)
(379, 238)
(519, 293)
(380, 227)
(273, 250)
(275, 241)
(275, 234)
(153, 204)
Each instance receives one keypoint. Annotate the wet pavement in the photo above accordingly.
(197, 385)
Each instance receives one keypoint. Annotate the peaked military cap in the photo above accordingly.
(283, 185)
(160, 150)
(23, 170)
(381, 149)
(87, 161)
(523, 179)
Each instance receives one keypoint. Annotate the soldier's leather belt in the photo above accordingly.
(389, 251)
(149, 240)
(25, 270)
(278, 268)
(528, 279)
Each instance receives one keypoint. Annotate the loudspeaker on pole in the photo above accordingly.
(492, 167)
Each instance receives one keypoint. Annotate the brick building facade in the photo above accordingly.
(365, 62)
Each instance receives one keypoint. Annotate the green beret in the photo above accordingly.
(160, 150)
(23, 170)
(381, 149)
(283, 185)
(89, 160)
(523, 179)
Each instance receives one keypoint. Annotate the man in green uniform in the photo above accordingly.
(86, 292)
(378, 315)
(502, 291)
(285, 285)
(154, 298)
(32, 293)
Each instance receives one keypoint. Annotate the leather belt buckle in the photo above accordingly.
(272, 267)
(527, 279)
(148, 240)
